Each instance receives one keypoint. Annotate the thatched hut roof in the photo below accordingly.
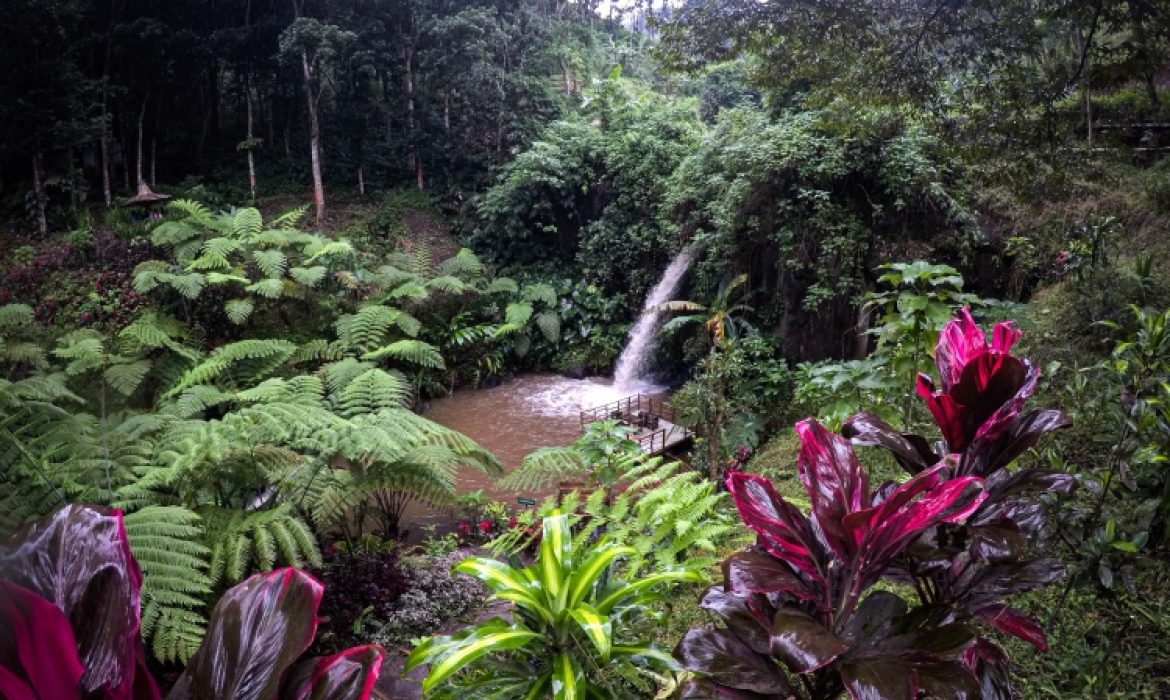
(145, 196)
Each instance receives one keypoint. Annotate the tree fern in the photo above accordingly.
(541, 292)
(260, 356)
(262, 539)
(464, 264)
(544, 467)
(308, 276)
(372, 391)
(502, 285)
(667, 513)
(166, 542)
(409, 350)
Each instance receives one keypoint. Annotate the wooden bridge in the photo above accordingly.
(651, 418)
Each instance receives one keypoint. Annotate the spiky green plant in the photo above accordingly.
(574, 621)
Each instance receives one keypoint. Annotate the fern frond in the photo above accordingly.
(268, 288)
(308, 276)
(13, 315)
(463, 264)
(127, 376)
(266, 355)
(544, 467)
(272, 262)
(502, 285)
(409, 350)
(550, 325)
(238, 310)
(372, 391)
(541, 292)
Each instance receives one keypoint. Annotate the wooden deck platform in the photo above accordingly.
(652, 419)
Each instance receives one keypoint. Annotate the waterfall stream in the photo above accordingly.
(632, 366)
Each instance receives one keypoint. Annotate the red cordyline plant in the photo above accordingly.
(801, 615)
(69, 621)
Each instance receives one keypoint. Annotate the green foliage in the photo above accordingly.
(919, 298)
(666, 513)
(574, 620)
(604, 455)
(166, 542)
(232, 252)
(592, 186)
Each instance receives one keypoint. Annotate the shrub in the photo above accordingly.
(436, 594)
(802, 611)
(359, 587)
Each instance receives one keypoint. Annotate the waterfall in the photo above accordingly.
(635, 357)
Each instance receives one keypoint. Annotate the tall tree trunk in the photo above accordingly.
(446, 110)
(251, 159)
(107, 197)
(418, 173)
(361, 182)
(153, 153)
(141, 119)
(408, 86)
(39, 195)
(314, 139)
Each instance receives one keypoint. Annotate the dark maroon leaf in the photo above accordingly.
(703, 690)
(997, 540)
(79, 559)
(350, 675)
(750, 622)
(1004, 483)
(879, 678)
(941, 641)
(990, 666)
(38, 653)
(875, 618)
(257, 630)
(947, 680)
(1015, 623)
(912, 451)
(802, 642)
(726, 661)
(985, 455)
(749, 571)
(783, 530)
(835, 482)
(977, 585)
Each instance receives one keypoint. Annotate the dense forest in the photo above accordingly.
(252, 249)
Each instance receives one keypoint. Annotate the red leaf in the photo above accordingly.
(79, 558)
(350, 675)
(38, 653)
(257, 630)
(1015, 623)
(783, 530)
(750, 571)
(835, 482)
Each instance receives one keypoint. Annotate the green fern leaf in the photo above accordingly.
(238, 310)
(409, 350)
(308, 276)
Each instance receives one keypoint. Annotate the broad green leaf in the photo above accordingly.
(596, 627)
(473, 648)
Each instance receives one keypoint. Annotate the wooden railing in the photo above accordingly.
(631, 409)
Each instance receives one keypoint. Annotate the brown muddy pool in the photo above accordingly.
(512, 420)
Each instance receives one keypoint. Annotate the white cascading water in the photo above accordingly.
(628, 377)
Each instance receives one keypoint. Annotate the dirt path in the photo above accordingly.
(424, 228)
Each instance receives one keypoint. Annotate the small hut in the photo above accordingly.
(147, 204)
